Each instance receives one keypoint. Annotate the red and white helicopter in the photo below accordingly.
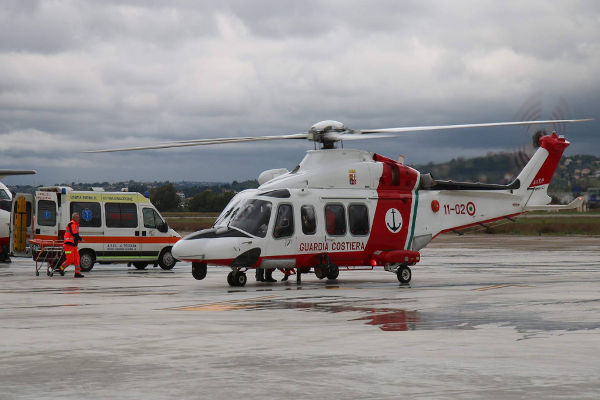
(5, 209)
(343, 208)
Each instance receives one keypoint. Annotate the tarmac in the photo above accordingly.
(485, 316)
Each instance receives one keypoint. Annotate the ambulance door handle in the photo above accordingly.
(137, 233)
(37, 231)
(143, 233)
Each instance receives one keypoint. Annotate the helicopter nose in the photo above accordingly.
(189, 249)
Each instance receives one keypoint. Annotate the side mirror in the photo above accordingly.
(163, 227)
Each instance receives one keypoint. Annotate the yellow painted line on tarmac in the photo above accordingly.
(505, 285)
(222, 305)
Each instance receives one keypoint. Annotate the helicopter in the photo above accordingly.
(350, 209)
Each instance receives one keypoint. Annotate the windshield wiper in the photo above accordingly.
(232, 216)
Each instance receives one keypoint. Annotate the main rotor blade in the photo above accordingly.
(489, 124)
(9, 172)
(203, 142)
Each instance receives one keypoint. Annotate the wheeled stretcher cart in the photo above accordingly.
(47, 254)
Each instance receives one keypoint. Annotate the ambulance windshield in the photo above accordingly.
(4, 195)
(252, 216)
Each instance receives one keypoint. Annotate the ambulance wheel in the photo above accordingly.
(333, 272)
(140, 265)
(86, 260)
(238, 279)
(404, 274)
(230, 278)
(199, 271)
(321, 271)
(166, 259)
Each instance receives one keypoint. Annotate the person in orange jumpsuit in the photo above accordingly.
(70, 246)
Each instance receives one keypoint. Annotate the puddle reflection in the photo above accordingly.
(387, 319)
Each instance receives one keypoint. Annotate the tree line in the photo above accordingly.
(165, 198)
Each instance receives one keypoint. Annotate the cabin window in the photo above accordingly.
(252, 217)
(121, 215)
(284, 224)
(358, 217)
(335, 219)
(151, 218)
(46, 215)
(89, 212)
(309, 220)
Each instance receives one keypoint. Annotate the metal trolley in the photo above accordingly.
(47, 253)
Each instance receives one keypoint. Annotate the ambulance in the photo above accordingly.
(116, 227)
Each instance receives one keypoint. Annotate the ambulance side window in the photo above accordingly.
(121, 215)
(284, 224)
(335, 219)
(309, 220)
(46, 215)
(151, 218)
(90, 213)
(358, 216)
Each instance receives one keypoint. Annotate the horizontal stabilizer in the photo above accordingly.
(574, 204)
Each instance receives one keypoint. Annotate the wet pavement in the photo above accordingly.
(484, 317)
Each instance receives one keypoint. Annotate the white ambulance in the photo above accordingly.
(115, 226)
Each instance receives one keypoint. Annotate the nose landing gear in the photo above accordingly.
(198, 271)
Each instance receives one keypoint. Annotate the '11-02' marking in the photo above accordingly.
(460, 209)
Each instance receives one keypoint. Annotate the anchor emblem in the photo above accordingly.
(393, 220)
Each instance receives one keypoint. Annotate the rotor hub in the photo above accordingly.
(326, 132)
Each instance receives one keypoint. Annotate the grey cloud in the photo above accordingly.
(113, 73)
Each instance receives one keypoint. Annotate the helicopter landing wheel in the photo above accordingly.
(321, 271)
(237, 278)
(333, 272)
(404, 274)
(198, 271)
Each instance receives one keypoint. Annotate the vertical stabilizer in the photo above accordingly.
(538, 172)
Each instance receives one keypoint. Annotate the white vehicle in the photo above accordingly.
(115, 227)
(5, 207)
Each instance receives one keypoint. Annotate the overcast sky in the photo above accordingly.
(78, 75)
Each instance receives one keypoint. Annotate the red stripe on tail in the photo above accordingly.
(555, 146)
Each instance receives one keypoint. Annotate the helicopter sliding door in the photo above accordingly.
(347, 229)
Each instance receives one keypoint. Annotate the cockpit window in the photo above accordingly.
(252, 217)
(227, 212)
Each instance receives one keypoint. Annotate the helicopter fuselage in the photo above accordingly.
(354, 208)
